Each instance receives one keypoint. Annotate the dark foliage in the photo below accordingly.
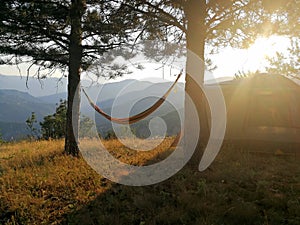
(53, 126)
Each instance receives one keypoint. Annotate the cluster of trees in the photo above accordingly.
(72, 35)
(53, 125)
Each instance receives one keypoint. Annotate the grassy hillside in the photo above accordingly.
(40, 185)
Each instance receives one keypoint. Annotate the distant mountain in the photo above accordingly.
(13, 131)
(15, 97)
(166, 112)
(132, 95)
(42, 87)
(52, 86)
(16, 106)
(109, 91)
(132, 103)
(218, 80)
(53, 99)
(121, 94)
(103, 92)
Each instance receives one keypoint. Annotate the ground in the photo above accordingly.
(41, 185)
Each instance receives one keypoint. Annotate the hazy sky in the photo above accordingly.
(228, 61)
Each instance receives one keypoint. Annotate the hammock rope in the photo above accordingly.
(137, 117)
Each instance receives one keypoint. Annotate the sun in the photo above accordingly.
(263, 48)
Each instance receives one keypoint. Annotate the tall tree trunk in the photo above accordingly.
(75, 57)
(195, 11)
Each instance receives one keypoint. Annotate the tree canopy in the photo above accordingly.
(40, 31)
(235, 23)
(69, 35)
(286, 63)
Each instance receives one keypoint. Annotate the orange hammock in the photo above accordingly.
(139, 116)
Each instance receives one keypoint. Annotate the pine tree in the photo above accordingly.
(69, 36)
(217, 24)
(31, 126)
(53, 126)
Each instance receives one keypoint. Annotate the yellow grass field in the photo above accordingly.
(41, 185)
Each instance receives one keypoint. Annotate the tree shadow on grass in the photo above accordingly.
(239, 188)
(163, 203)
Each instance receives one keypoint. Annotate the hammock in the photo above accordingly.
(139, 116)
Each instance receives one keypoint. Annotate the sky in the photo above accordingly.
(228, 61)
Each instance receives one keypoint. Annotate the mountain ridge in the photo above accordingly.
(17, 105)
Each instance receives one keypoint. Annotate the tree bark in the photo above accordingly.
(195, 11)
(75, 57)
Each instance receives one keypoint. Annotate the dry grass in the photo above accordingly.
(40, 185)
(134, 151)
